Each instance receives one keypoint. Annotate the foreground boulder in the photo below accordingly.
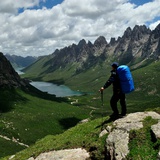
(68, 154)
(118, 139)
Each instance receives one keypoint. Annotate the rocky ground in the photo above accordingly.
(116, 142)
(118, 139)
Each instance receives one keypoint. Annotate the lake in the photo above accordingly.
(58, 90)
(19, 70)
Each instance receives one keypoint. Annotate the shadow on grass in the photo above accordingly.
(44, 95)
(69, 122)
(8, 97)
(105, 122)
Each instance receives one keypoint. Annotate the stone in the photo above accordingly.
(84, 120)
(31, 158)
(104, 132)
(11, 157)
(156, 130)
(67, 154)
(117, 144)
(154, 115)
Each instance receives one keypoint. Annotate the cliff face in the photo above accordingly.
(8, 77)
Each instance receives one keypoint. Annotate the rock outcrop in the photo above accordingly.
(118, 139)
(67, 154)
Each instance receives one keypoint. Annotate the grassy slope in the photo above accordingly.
(36, 69)
(9, 148)
(30, 118)
(83, 135)
(87, 136)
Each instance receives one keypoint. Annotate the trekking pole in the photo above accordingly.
(102, 103)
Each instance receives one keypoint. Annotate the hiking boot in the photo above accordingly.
(114, 116)
(122, 115)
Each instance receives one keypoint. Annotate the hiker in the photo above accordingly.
(117, 93)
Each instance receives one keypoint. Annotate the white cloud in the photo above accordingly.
(40, 32)
(10, 6)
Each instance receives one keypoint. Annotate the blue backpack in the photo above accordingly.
(126, 80)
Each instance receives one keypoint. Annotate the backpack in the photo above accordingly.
(126, 80)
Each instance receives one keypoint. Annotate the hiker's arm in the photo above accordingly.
(110, 80)
(108, 83)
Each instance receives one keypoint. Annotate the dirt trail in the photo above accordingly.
(13, 140)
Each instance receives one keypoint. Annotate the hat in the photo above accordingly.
(114, 64)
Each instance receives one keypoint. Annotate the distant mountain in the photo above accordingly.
(18, 61)
(72, 64)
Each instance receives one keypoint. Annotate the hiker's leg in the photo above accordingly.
(123, 104)
(113, 103)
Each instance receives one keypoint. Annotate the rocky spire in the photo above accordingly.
(112, 41)
(100, 42)
(127, 33)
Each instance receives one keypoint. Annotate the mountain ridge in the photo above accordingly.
(19, 61)
(137, 47)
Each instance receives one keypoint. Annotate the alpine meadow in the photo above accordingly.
(33, 122)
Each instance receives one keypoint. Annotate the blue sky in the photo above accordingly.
(51, 3)
(47, 3)
(39, 27)
(140, 2)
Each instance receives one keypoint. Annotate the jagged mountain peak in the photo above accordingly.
(127, 33)
(134, 46)
(139, 32)
(100, 41)
(112, 41)
(141, 28)
(136, 33)
(90, 44)
(82, 43)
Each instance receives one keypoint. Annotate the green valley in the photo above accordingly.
(29, 118)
